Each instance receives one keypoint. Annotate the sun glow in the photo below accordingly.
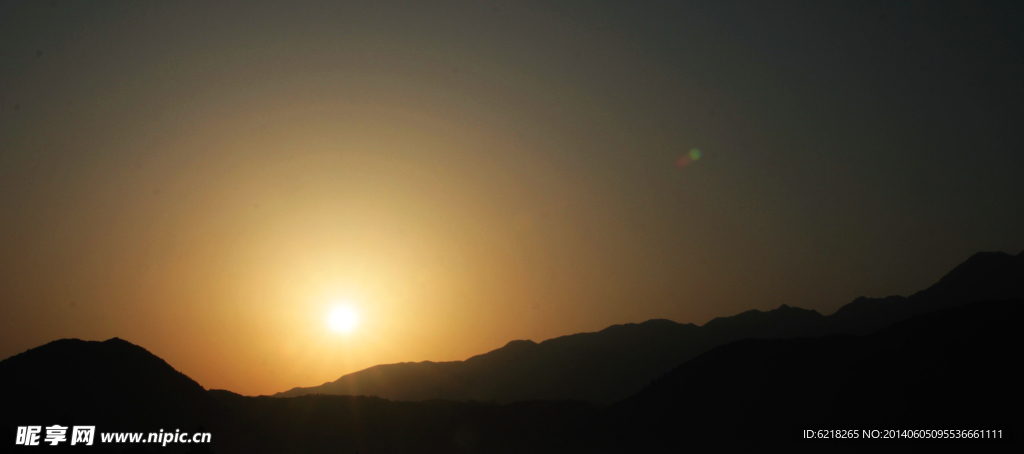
(343, 319)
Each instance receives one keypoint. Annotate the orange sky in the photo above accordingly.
(208, 181)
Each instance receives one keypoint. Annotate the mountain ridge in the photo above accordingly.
(111, 382)
(889, 378)
(750, 390)
(651, 348)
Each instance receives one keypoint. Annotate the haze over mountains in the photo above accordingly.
(616, 362)
(949, 363)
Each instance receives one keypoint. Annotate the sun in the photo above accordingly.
(343, 319)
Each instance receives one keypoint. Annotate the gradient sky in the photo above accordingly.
(208, 179)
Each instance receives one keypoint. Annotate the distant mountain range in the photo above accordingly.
(943, 370)
(616, 362)
(950, 370)
(949, 362)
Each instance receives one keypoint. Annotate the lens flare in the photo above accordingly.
(693, 155)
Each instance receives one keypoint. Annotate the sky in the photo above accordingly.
(213, 180)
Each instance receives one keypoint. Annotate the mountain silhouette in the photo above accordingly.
(945, 359)
(113, 385)
(625, 356)
(985, 276)
(70, 378)
(953, 368)
(611, 364)
(120, 387)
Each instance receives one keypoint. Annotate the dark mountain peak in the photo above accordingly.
(520, 344)
(58, 344)
(617, 327)
(726, 319)
(110, 381)
(105, 361)
(661, 322)
(984, 276)
(784, 321)
(793, 310)
(81, 351)
(981, 262)
(753, 318)
(654, 322)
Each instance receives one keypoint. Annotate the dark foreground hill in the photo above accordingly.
(113, 385)
(953, 369)
(607, 366)
(106, 382)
